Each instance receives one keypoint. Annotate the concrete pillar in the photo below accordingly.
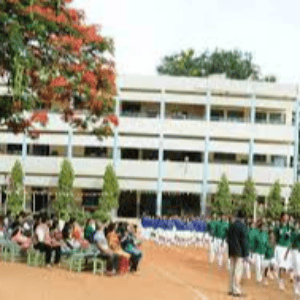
(296, 137)
(251, 142)
(24, 157)
(138, 204)
(208, 105)
(140, 154)
(206, 155)
(205, 176)
(70, 143)
(116, 146)
(160, 156)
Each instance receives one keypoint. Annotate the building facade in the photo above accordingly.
(176, 138)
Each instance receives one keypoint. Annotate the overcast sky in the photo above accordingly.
(145, 31)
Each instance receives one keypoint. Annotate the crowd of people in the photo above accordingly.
(266, 248)
(116, 243)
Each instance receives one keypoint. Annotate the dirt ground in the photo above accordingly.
(166, 273)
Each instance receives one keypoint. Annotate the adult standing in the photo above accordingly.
(238, 251)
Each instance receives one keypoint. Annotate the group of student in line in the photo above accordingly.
(117, 243)
(273, 245)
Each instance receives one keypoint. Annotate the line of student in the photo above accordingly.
(274, 246)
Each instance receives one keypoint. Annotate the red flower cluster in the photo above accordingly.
(13, 1)
(40, 117)
(112, 119)
(61, 18)
(18, 127)
(59, 81)
(76, 68)
(73, 15)
(67, 41)
(89, 33)
(34, 133)
(47, 12)
(90, 78)
(96, 106)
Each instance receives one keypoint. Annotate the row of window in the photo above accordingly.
(152, 154)
(193, 112)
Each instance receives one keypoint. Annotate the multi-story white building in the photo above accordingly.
(176, 138)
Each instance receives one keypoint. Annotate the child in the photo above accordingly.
(295, 257)
(269, 263)
(260, 245)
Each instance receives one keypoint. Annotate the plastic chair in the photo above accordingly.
(99, 265)
(36, 258)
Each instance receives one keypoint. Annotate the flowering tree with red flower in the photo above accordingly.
(49, 57)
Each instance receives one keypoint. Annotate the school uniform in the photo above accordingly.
(284, 241)
(260, 246)
(295, 254)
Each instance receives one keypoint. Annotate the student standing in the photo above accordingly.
(283, 234)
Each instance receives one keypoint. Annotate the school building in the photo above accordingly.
(176, 138)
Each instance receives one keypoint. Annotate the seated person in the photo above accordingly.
(114, 241)
(89, 230)
(23, 241)
(104, 251)
(129, 245)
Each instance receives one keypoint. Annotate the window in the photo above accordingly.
(41, 150)
(217, 114)
(129, 153)
(259, 158)
(94, 152)
(235, 115)
(276, 118)
(148, 154)
(225, 157)
(90, 198)
(174, 155)
(14, 149)
(183, 156)
(278, 160)
(130, 107)
(260, 117)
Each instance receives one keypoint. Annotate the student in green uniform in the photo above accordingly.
(294, 249)
(222, 230)
(283, 234)
(252, 232)
(260, 245)
(269, 262)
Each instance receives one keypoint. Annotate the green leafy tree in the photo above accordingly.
(275, 205)
(294, 203)
(248, 197)
(16, 189)
(64, 203)
(223, 200)
(110, 195)
(234, 63)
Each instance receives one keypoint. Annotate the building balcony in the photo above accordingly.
(92, 169)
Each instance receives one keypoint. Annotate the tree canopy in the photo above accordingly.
(110, 194)
(294, 203)
(223, 200)
(248, 197)
(50, 58)
(15, 191)
(64, 203)
(234, 63)
(275, 205)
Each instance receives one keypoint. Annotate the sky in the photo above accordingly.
(145, 31)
